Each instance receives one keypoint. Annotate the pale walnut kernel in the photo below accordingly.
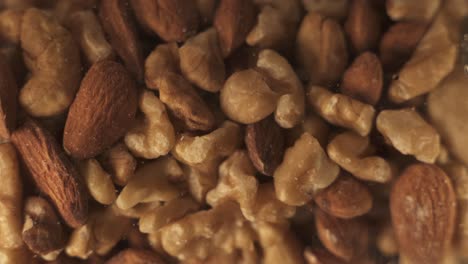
(162, 60)
(119, 163)
(98, 181)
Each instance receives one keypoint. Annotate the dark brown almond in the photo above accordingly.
(136, 256)
(346, 239)
(52, 171)
(172, 20)
(8, 100)
(363, 26)
(103, 110)
(423, 209)
(265, 145)
(345, 198)
(120, 28)
(233, 20)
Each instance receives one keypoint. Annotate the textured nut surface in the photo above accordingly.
(103, 110)
(267, 207)
(81, 243)
(345, 198)
(422, 10)
(52, 171)
(320, 256)
(312, 124)
(409, 133)
(423, 209)
(363, 25)
(162, 60)
(119, 163)
(108, 229)
(202, 178)
(8, 103)
(341, 110)
(98, 181)
(363, 80)
(305, 170)
(321, 49)
(136, 256)
(337, 9)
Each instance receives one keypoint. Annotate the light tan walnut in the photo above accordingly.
(98, 181)
(162, 60)
(119, 163)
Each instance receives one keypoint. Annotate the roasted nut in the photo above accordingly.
(267, 207)
(154, 135)
(10, 199)
(102, 111)
(42, 231)
(207, 9)
(10, 25)
(354, 154)
(151, 182)
(195, 150)
(422, 10)
(136, 256)
(98, 181)
(63, 10)
(265, 143)
(321, 49)
(202, 178)
(81, 243)
(201, 61)
(119, 163)
(341, 110)
(363, 25)
(162, 60)
(423, 209)
(172, 20)
(88, 32)
(305, 170)
(461, 231)
(233, 21)
(363, 80)
(320, 256)
(337, 9)
(8, 93)
(346, 239)
(120, 28)
(345, 198)
(52, 171)
(108, 229)
(185, 103)
(312, 124)
(386, 241)
(409, 133)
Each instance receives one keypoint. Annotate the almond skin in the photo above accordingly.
(103, 110)
(423, 209)
(8, 101)
(52, 171)
(135, 256)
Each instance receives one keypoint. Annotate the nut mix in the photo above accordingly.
(233, 131)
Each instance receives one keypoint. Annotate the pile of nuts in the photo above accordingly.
(233, 131)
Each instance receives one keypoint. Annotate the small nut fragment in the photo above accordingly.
(8, 93)
(363, 80)
(342, 110)
(422, 10)
(42, 231)
(337, 9)
(81, 243)
(99, 182)
(304, 171)
(409, 133)
(458, 173)
(136, 256)
(162, 60)
(108, 229)
(202, 178)
(354, 153)
(321, 49)
(52, 171)
(312, 124)
(185, 103)
(265, 143)
(363, 25)
(201, 61)
(345, 198)
(423, 209)
(154, 135)
(119, 163)
(267, 207)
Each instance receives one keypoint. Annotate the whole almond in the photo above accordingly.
(363, 80)
(53, 173)
(363, 25)
(345, 198)
(265, 143)
(103, 110)
(233, 20)
(135, 256)
(120, 28)
(423, 209)
(172, 20)
(8, 100)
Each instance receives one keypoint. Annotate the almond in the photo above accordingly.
(265, 143)
(233, 20)
(345, 198)
(363, 25)
(8, 101)
(363, 80)
(120, 28)
(136, 256)
(103, 110)
(52, 171)
(423, 209)
(172, 20)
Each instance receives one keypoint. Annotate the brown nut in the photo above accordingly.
(119, 163)
(386, 241)
(342, 110)
(336, 9)
(185, 103)
(409, 133)
(202, 178)
(321, 256)
(120, 28)
(312, 124)
(207, 9)
(136, 256)
(10, 25)
(52, 171)
(42, 231)
(102, 112)
(347, 239)
(162, 60)
(345, 198)
(201, 61)
(8, 103)
(98, 181)
(16, 256)
(265, 143)
(421, 10)
(321, 49)
(363, 25)
(423, 209)
(172, 20)
(81, 243)
(363, 80)
(108, 229)
(233, 20)
(267, 207)
(304, 171)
